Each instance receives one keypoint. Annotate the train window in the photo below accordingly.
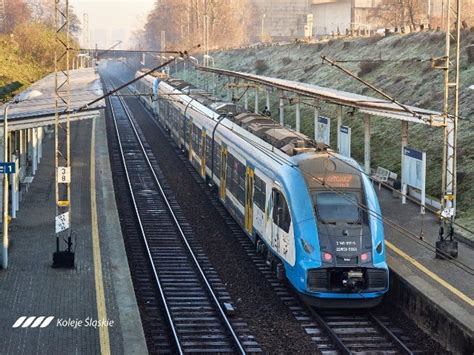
(235, 178)
(230, 165)
(208, 151)
(259, 193)
(281, 212)
(217, 159)
(240, 188)
(333, 207)
(196, 138)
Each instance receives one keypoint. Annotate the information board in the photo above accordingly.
(323, 130)
(414, 171)
(62, 222)
(345, 143)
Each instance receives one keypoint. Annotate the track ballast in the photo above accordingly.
(190, 292)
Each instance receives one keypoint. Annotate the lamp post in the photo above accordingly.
(197, 63)
(22, 97)
(184, 67)
(263, 21)
(207, 58)
(175, 64)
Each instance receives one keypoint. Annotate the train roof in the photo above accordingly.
(283, 138)
(287, 140)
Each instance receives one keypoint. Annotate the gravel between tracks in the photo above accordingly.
(269, 319)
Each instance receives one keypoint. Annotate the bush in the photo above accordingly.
(367, 67)
(286, 60)
(260, 66)
(470, 53)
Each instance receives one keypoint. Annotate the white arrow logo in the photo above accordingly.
(33, 322)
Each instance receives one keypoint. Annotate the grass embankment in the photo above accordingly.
(16, 70)
(27, 55)
(410, 81)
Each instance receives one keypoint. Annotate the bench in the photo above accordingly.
(384, 175)
(27, 180)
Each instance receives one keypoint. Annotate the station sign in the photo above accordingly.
(345, 141)
(7, 168)
(323, 130)
(414, 167)
(414, 172)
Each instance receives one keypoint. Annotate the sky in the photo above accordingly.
(112, 20)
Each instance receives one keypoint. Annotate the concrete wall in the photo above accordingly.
(284, 19)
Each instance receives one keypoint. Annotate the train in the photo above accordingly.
(309, 210)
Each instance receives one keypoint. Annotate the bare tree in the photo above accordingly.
(184, 23)
(398, 13)
(16, 12)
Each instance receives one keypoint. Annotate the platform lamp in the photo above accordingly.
(26, 95)
(197, 64)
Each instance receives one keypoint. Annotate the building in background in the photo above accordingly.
(287, 19)
(280, 20)
(283, 20)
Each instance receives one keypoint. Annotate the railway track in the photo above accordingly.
(181, 291)
(361, 332)
(334, 332)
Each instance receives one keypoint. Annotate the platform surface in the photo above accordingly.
(31, 287)
(444, 282)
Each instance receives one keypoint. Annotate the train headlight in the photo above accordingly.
(327, 257)
(307, 247)
(365, 257)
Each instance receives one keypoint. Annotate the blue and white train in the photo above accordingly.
(302, 204)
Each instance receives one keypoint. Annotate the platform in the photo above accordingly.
(76, 298)
(436, 286)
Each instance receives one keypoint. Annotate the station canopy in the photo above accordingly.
(365, 104)
(40, 111)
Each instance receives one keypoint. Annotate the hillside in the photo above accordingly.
(405, 73)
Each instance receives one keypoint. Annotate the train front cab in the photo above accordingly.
(345, 265)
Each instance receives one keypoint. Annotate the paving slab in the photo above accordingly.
(30, 287)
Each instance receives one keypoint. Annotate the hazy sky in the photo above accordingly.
(112, 20)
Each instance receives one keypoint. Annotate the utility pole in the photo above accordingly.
(86, 33)
(450, 66)
(62, 137)
(206, 35)
(162, 44)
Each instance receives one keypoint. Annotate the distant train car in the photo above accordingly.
(310, 210)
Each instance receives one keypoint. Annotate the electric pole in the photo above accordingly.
(3, 16)
(62, 137)
(450, 66)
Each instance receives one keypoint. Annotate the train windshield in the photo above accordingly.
(333, 207)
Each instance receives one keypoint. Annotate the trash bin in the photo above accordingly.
(397, 186)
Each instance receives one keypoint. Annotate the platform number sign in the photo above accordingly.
(7, 168)
(64, 175)
(62, 222)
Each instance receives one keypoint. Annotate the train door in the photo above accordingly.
(249, 188)
(223, 169)
(281, 241)
(203, 153)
